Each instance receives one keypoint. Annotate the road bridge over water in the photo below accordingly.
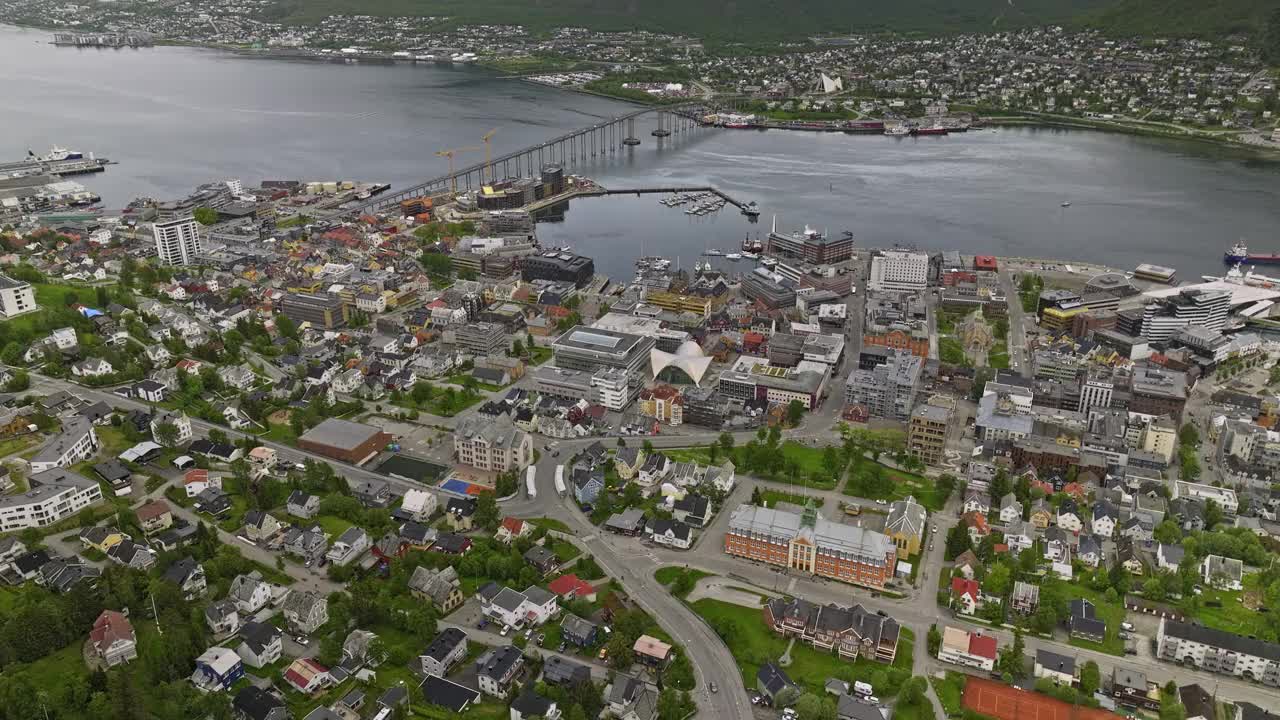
(603, 138)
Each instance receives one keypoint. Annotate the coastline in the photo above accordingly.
(1265, 149)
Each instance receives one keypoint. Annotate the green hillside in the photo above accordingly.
(1201, 18)
(744, 20)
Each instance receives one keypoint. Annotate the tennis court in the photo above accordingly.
(1003, 702)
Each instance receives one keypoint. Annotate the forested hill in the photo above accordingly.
(742, 20)
(1204, 18)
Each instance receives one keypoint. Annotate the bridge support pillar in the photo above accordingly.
(631, 140)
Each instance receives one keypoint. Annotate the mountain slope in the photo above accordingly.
(1199, 18)
(744, 20)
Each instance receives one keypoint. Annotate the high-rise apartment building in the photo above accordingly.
(177, 241)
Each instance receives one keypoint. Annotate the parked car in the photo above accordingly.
(505, 629)
(1126, 626)
(302, 640)
(604, 653)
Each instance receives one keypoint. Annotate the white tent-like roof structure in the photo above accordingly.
(688, 357)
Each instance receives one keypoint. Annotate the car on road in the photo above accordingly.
(528, 633)
(505, 630)
(789, 714)
(755, 698)
(1126, 626)
(604, 653)
(563, 645)
(481, 625)
(712, 687)
(302, 640)
(542, 637)
(879, 502)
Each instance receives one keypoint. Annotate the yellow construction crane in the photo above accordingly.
(487, 137)
(449, 154)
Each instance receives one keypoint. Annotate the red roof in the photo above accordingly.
(984, 262)
(982, 646)
(961, 586)
(571, 584)
(110, 627)
(199, 475)
(514, 525)
(153, 510)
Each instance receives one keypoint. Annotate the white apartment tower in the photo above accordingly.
(177, 241)
(1095, 393)
(16, 297)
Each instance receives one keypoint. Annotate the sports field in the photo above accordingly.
(1003, 702)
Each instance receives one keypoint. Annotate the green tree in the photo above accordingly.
(167, 434)
(1011, 660)
(815, 706)
(205, 216)
(999, 580)
(726, 442)
(1090, 678)
(958, 541)
(487, 514)
(934, 639)
(1168, 532)
(795, 411)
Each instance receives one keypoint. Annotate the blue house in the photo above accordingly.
(587, 485)
(217, 669)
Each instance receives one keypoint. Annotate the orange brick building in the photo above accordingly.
(898, 340)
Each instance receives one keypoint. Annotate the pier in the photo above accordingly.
(670, 190)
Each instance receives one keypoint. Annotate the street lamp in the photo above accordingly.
(408, 696)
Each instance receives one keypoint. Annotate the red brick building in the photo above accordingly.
(812, 544)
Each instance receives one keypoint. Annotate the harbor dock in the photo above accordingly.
(678, 189)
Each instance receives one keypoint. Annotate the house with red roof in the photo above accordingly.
(512, 528)
(970, 649)
(571, 587)
(976, 522)
(307, 676)
(965, 595)
(198, 480)
(112, 638)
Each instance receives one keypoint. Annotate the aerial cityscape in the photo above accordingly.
(573, 360)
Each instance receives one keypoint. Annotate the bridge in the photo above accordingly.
(603, 138)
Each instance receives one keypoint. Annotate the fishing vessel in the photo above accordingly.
(55, 154)
(1239, 253)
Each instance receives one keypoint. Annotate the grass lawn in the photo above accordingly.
(332, 526)
(564, 550)
(539, 355)
(461, 381)
(755, 644)
(950, 690)
(281, 433)
(671, 573)
(922, 488)
(1110, 613)
(1232, 616)
(773, 497)
(112, 440)
(551, 524)
(922, 711)
(807, 459)
(998, 358)
(18, 444)
(950, 351)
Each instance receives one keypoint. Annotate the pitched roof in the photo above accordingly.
(450, 695)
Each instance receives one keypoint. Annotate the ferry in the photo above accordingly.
(734, 256)
(55, 154)
(1239, 253)
(750, 256)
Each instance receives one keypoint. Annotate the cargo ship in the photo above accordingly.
(1239, 253)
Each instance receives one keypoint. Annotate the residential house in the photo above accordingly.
(571, 587)
(418, 505)
(1089, 550)
(189, 576)
(1127, 556)
(250, 593)
(261, 644)
(1019, 535)
(1132, 689)
(627, 462)
(1061, 669)
(529, 705)
(100, 537)
(511, 529)
(447, 649)
(255, 703)
(560, 671)
(1199, 704)
(630, 698)
(131, 554)
(966, 595)
(652, 651)
(852, 632)
(976, 500)
(373, 493)
(307, 676)
(671, 533)
(542, 559)
(1069, 517)
(969, 649)
(1084, 623)
(447, 694)
(692, 509)
(305, 611)
(578, 631)
(1169, 557)
(302, 505)
(498, 668)
(1041, 514)
(1105, 517)
(197, 480)
(967, 563)
(460, 513)
(905, 525)
(773, 683)
(217, 669)
(309, 544)
(349, 546)
(655, 469)
(222, 617)
(1025, 598)
(154, 516)
(587, 484)
(181, 425)
(260, 525)
(441, 588)
(112, 639)
(1223, 573)
(1010, 509)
